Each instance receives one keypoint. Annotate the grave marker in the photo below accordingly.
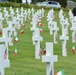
(55, 29)
(36, 41)
(4, 51)
(73, 28)
(32, 11)
(1, 20)
(64, 38)
(29, 13)
(4, 63)
(11, 11)
(49, 58)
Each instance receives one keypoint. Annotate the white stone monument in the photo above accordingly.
(10, 30)
(66, 25)
(55, 29)
(73, 28)
(32, 11)
(16, 25)
(36, 41)
(43, 12)
(25, 16)
(5, 13)
(34, 24)
(11, 12)
(17, 11)
(29, 13)
(4, 61)
(49, 58)
(1, 20)
(64, 38)
(6, 16)
(60, 13)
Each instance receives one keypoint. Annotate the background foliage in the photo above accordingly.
(62, 2)
(74, 0)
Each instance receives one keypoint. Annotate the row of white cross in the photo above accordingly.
(52, 25)
(36, 38)
(18, 20)
(49, 58)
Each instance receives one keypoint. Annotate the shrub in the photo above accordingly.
(28, 6)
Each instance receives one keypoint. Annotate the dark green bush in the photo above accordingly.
(74, 0)
(28, 6)
(62, 2)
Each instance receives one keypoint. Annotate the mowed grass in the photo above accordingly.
(25, 62)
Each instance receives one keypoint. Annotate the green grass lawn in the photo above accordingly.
(25, 62)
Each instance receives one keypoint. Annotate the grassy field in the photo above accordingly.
(25, 62)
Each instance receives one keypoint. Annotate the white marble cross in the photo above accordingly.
(73, 28)
(1, 20)
(6, 16)
(5, 39)
(50, 15)
(11, 27)
(4, 61)
(60, 13)
(32, 11)
(64, 38)
(62, 20)
(5, 12)
(55, 29)
(51, 26)
(25, 15)
(10, 30)
(43, 12)
(36, 41)
(16, 24)
(34, 23)
(29, 13)
(49, 58)
(17, 21)
(66, 23)
(22, 18)
(4, 9)
(11, 11)
(22, 9)
(70, 15)
(17, 11)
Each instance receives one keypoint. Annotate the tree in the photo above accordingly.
(62, 2)
(74, 0)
